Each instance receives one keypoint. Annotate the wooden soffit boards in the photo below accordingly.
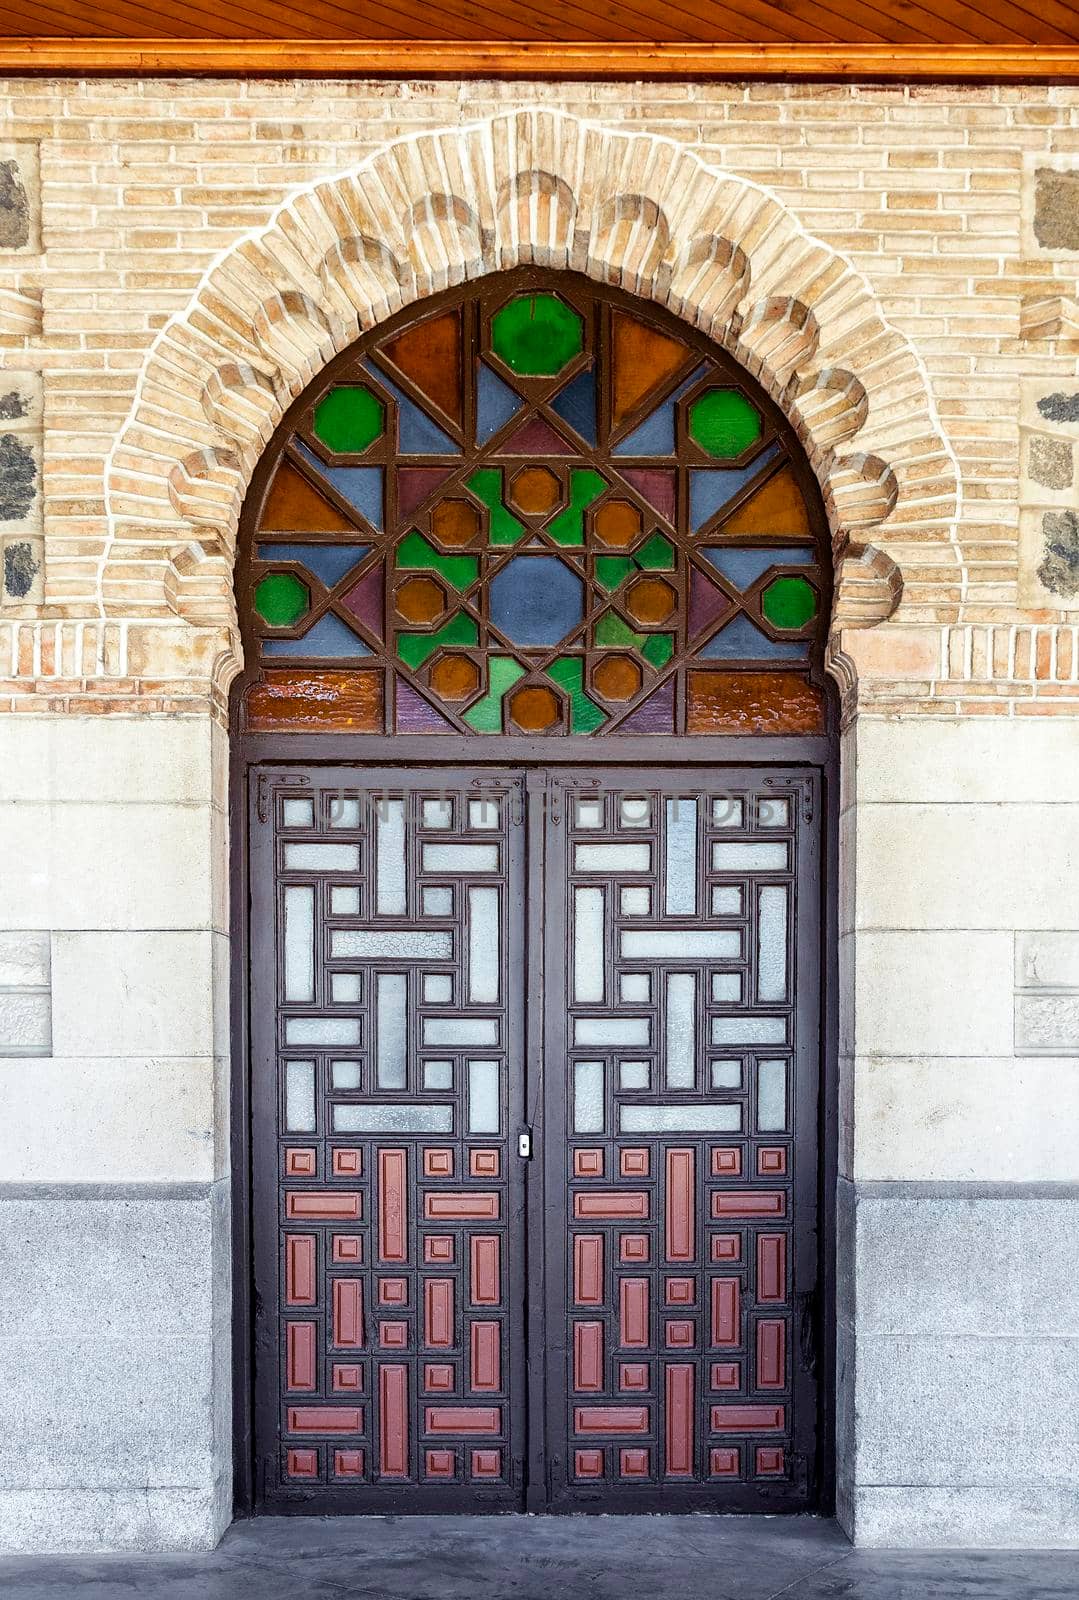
(569, 58)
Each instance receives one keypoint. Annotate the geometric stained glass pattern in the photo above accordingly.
(538, 508)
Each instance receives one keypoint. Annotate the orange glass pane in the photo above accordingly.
(642, 361)
(294, 506)
(617, 677)
(429, 356)
(327, 702)
(456, 523)
(752, 702)
(650, 601)
(535, 709)
(617, 523)
(777, 507)
(455, 677)
(535, 490)
(420, 600)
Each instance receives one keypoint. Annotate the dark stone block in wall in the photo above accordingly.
(1050, 462)
(1059, 570)
(14, 208)
(18, 478)
(13, 405)
(20, 569)
(1059, 407)
(1056, 209)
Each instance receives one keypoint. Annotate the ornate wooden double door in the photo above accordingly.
(535, 1062)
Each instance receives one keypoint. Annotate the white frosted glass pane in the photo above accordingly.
(483, 813)
(749, 857)
(458, 858)
(727, 901)
(322, 858)
(588, 1097)
(483, 1097)
(681, 858)
(438, 813)
(460, 1030)
(679, 1119)
(749, 1030)
(635, 986)
(322, 1030)
(438, 1075)
(588, 944)
(685, 944)
(611, 1030)
(299, 814)
(393, 1119)
(393, 944)
(437, 989)
(590, 813)
(484, 947)
(345, 988)
(300, 1097)
(390, 858)
(771, 1096)
(727, 812)
(727, 987)
(346, 1074)
(299, 944)
(681, 1030)
(726, 1074)
(634, 1074)
(634, 811)
(438, 902)
(772, 943)
(345, 902)
(636, 902)
(344, 813)
(390, 1053)
(773, 813)
(612, 857)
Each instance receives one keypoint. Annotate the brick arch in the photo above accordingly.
(536, 186)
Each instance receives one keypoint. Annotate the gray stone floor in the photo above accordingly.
(546, 1558)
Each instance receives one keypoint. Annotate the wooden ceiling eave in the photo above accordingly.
(455, 58)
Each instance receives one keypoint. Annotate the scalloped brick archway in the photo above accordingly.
(430, 211)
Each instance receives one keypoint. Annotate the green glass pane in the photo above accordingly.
(613, 570)
(281, 599)
(486, 715)
(584, 487)
(723, 422)
(414, 551)
(657, 555)
(658, 648)
(349, 419)
(486, 485)
(789, 602)
(584, 715)
(536, 335)
(611, 630)
(414, 648)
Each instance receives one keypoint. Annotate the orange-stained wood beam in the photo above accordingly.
(340, 58)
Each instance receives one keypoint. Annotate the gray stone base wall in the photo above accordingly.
(114, 1366)
(958, 1364)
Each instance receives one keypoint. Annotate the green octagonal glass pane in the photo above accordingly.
(536, 335)
(281, 599)
(789, 602)
(723, 422)
(349, 419)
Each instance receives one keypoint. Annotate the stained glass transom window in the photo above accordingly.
(534, 507)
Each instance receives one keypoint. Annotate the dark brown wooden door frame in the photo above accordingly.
(818, 1322)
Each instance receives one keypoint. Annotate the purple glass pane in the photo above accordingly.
(706, 603)
(414, 484)
(535, 438)
(654, 715)
(654, 484)
(414, 715)
(364, 601)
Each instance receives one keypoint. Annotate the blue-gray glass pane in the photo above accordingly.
(300, 1097)
(744, 567)
(391, 1030)
(742, 640)
(680, 1119)
(496, 403)
(771, 1096)
(387, 1118)
(588, 1097)
(360, 486)
(576, 404)
(329, 562)
(391, 944)
(536, 600)
(417, 435)
(681, 858)
(322, 858)
(710, 488)
(322, 1030)
(328, 637)
(655, 435)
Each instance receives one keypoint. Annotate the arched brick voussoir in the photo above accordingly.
(530, 185)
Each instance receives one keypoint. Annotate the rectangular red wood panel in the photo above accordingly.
(588, 1356)
(347, 1313)
(485, 1343)
(680, 1205)
(392, 1205)
(302, 1359)
(393, 1421)
(679, 1382)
